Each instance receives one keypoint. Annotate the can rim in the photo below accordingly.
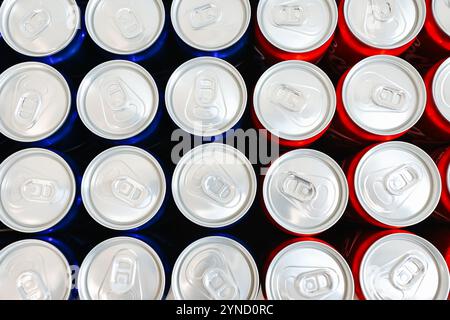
(438, 21)
(87, 262)
(326, 38)
(341, 181)
(85, 86)
(434, 253)
(178, 295)
(180, 33)
(8, 73)
(443, 69)
(86, 184)
(24, 243)
(10, 162)
(427, 162)
(90, 10)
(4, 10)
(413, 74)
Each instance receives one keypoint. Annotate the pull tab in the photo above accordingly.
(38, 190)
(288, 15)
(205, 89)
(289, 98)
(130, 191)
(408, 272)
(220, 285)
(389, 98)
(31, 286)
(28, 109)
(382, 10)
(35, 23)
(298, 188)
(128, 23)
(402, 179)
(205, 16)
(315, 284)
(218, 189)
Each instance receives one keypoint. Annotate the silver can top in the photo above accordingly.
(441, 89)
(404, 267)
(214, 185)
(125, 27)
(305, 191)
(441, 13)
(34, 270)
(121, 268)
(37, 190)
(39, 28)
(123, 188)
(215, 268)
(117, 100)
(309, 270)
(297, 26)
(385, 24)
(384, 95)
(398, 184)
(295, 100)
(210, 25)
(206, 96)
(35, 102)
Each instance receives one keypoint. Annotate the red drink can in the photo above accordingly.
(295, 30)
(392, 185)
(442, 159)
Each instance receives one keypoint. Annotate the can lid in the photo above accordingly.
(384, 95)
(37, 190)
(125, 27)
(441, 89)
(398, 184)
(305, 191)
(35, 101)
(295, 100)
(309, 270)
(121, 268)
(385, 24)
(34, 270)
(214, 185)
(404, 266)
(39, 28)
(117, 100)
(297, 26)
(215, 268)
(123, 188)
(210, 25)
(206, 96)
(441, 13)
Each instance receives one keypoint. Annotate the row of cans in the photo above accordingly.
(305, 192)
(389, 265)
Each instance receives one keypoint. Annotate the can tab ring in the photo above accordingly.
(35, 23)
(205, 16)
(390, 98)
(128, 23)
(288, 15)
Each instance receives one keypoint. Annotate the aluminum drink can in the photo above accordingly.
(206, 97)
(124, 188)
(295, 102)
(122, 268)
(214, 185)
(307, 269)
(118, 101)
(373, 27)
(379, 99)
(442, 159)
(439, 238)
(296, 30)
(393, 185)
(38, 191)
(305, 192)
(212, 28)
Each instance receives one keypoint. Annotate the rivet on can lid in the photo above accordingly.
(305, 191)
(34, 270)
(295, 100)
(123, 188)
(37, 190)
(385, 24)
(35, 101)
(404, 267)
(398, 184)
(39, 28)
(118, 100)
(125, 27)
(206, 96)
(210, 25)
(441, 89)
(121, 268)
(297, 26)
(215, 268)
(384, 95)
(441, 13)
(214, 185)
(309, 270)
